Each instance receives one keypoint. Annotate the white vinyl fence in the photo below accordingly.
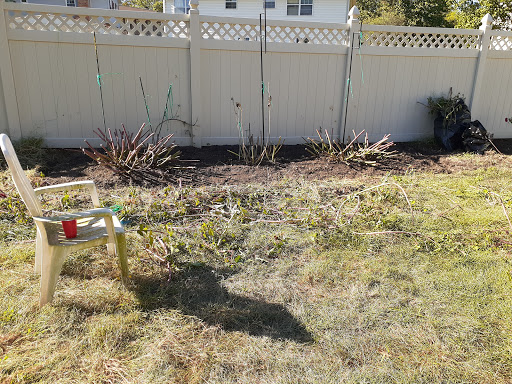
(49, 85)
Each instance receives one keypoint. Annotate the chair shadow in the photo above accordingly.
(199, 292)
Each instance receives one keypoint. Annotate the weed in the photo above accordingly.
(30, 152)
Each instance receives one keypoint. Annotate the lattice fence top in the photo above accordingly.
(420, 40)
(47, 21)
(501, 43)
(275, 33)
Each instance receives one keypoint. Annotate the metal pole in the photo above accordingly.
(349, 85)
(262, 84)
(265, 10)
(99, 81)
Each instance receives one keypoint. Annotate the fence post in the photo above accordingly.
(353, 29)
(486, 27)
(7, 82)
(195, 73)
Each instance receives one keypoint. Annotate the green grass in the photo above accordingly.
(294, 282)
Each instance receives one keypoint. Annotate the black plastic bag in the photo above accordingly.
(475, 138)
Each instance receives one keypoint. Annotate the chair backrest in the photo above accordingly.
(20, 179)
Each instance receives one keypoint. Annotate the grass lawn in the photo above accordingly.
(401, 279)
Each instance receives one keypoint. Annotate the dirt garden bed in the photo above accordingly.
(215, 165)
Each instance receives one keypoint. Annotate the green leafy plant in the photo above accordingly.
(12, 208)
(446, 107)
(364, 153)
(162, 247)
(133, 155)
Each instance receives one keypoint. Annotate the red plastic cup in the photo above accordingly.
(69, 227)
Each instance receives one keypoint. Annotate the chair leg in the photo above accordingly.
(39, 252)
(122, 255)
(52, 262)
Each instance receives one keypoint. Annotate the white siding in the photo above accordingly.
(102, 4)
(334, 11)
(48, 2)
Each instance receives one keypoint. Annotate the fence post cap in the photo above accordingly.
(194, 4)
(354, 13)
(487, 21)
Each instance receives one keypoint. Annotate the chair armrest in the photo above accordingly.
(89, 185)
(96, 212)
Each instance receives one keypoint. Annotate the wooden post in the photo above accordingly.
(474, 103)
(195, 73)
(7, 88)
(354, 28)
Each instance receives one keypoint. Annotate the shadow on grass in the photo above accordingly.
(199, 292)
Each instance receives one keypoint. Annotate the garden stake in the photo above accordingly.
(145, 103)
(166, 111)
(99, 81)
(349, 80)
(262, 82)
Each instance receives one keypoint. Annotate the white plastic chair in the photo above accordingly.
(96, 227)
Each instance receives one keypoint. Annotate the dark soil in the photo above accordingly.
(215, 165)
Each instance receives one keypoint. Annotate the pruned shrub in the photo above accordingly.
(364, 153)
(134, 156)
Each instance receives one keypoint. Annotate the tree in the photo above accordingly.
(421, 13)
(428, 13)
(158, 6)
(384, 14)
(153, 5)
(469, 13)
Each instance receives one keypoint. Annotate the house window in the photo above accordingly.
(230, 4)
(299, 7)
(269, 4)
(70, 3)
(181, 6)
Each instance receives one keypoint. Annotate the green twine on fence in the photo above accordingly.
(262, 87)
(98, 77)
(349, 81)
(349, 89)
(145, 102)
(169, 104)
